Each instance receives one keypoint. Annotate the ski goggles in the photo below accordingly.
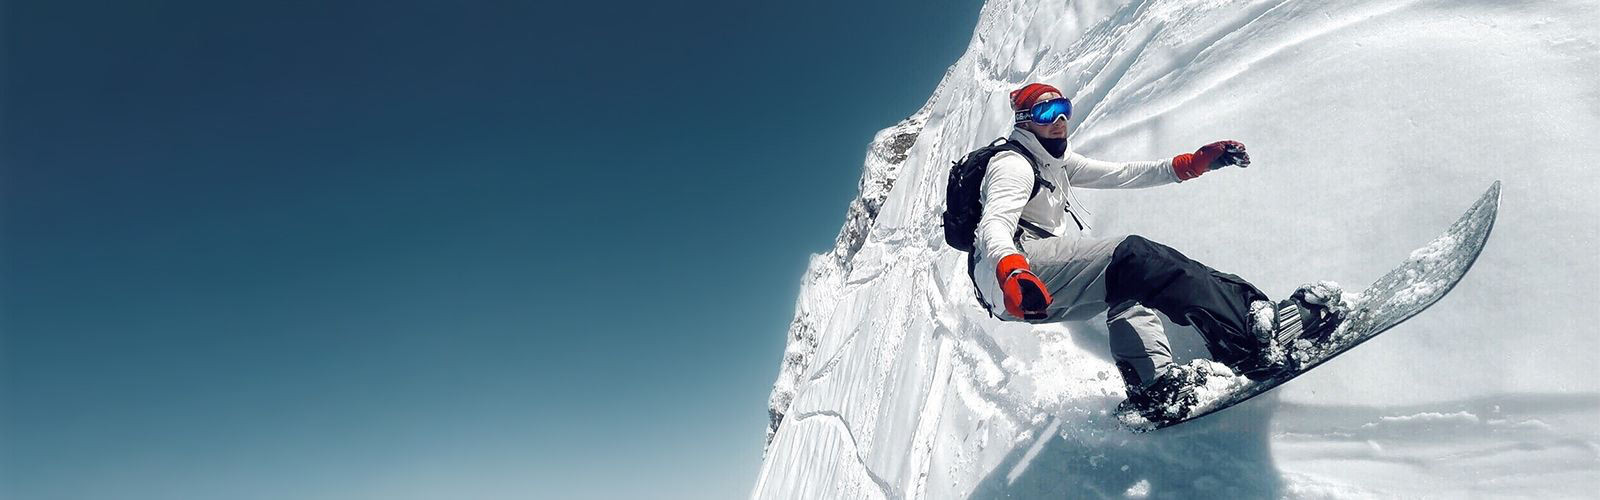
(1046, 112)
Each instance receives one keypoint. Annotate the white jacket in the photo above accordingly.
(1008, 183)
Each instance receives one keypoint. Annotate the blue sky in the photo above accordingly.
(422, 250)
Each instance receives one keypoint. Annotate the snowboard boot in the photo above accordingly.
(1289, 330)
(1171, 397)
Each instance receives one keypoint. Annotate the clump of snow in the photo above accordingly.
(1530, 424)
(1219, 387)
(1326, 293)
(1417, 292)
(1436, 250)
(1263, 319)
(1460, 417)
(1140, 489)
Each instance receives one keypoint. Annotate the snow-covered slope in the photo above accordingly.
(1371, 124)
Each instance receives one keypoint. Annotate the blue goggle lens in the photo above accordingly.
(1046, 112)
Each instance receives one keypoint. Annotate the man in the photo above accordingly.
(1031, 262)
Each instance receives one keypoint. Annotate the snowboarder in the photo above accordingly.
(1030, 261)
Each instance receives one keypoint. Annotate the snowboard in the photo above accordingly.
(1424, 278)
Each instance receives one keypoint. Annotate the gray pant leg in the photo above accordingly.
(1138, 343)
(1074, 269)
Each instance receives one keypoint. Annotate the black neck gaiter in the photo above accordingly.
(1056, 147)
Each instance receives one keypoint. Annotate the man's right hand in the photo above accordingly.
(1026, 297)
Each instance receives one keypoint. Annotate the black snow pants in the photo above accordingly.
(1188, 292)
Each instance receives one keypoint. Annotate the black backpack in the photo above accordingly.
(963, 203)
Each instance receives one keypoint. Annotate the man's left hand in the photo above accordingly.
(1210, 157)
(1225, 153)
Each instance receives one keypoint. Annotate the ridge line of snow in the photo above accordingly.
(1236, 70)
(855, 448)
(1118, 67)
(822, 288)
(928, 419)
(1209, 42)
(833, 361)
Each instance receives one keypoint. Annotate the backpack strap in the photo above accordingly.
(1039, 182)
(1038, 178)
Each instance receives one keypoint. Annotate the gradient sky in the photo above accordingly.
(423, 250)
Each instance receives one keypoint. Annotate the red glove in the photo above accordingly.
(1210, 157)
(1026, 296)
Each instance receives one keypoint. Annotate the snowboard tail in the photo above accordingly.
(1424, 278)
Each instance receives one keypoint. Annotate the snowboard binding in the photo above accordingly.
(1289, 331)
(1171, 397)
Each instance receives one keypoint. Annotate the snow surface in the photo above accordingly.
(1372, 125)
